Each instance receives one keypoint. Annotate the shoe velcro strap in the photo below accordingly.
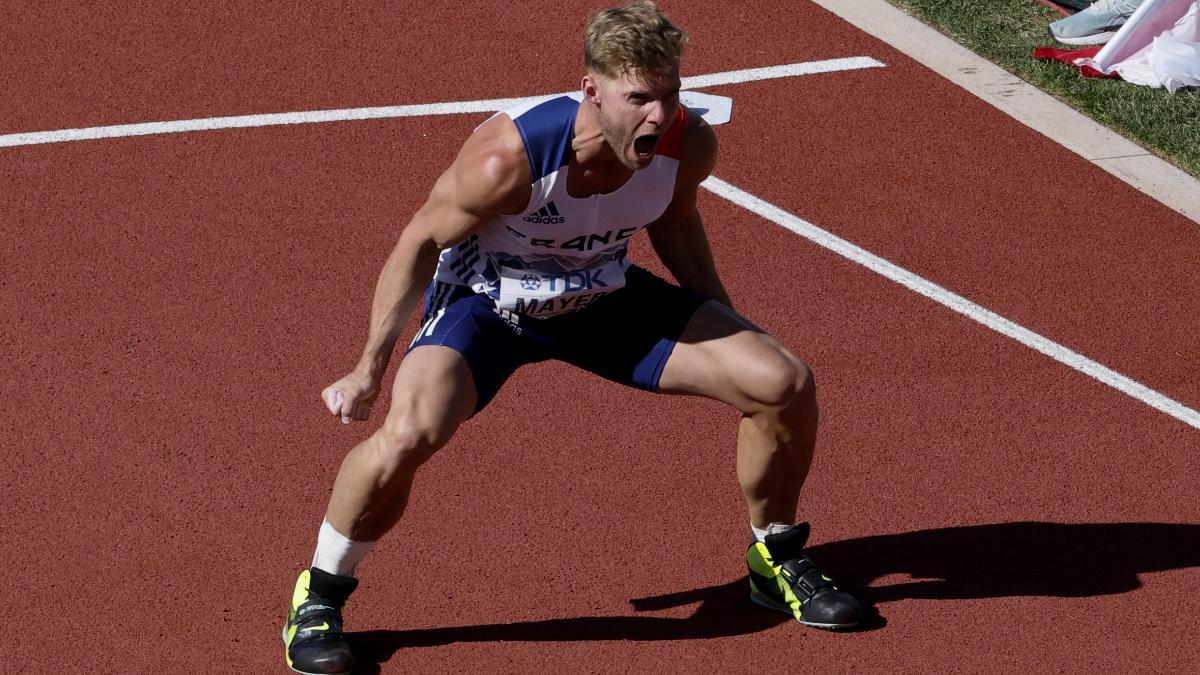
(806, 580)
(303, 636)
(313, 615)
(329, 626)
(309, 608)
(333, 627)
(796, 567)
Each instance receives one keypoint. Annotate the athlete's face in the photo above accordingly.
(634, 110)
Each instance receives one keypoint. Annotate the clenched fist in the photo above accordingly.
(351, 397)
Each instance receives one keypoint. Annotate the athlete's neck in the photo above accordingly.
(596, 166)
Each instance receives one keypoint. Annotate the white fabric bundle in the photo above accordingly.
(1158, 47)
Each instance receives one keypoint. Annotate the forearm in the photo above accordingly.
(684, 249)
(401, 283)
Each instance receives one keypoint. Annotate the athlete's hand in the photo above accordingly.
(350, 398)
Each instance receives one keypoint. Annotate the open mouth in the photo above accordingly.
(643, 146)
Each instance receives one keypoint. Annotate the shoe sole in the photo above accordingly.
(283, 635)
(1097, 39)
(768, 603)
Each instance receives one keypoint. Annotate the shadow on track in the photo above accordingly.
(1012, 559)
(723, 610)
(980, 561)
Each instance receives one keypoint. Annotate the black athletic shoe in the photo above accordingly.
(312, 636)
(782, 578)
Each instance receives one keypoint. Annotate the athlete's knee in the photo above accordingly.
(777, 381)
(804, 397)
(407, 440)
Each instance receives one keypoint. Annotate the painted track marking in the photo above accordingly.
(715, 185)
(954, 301)
(450, 108)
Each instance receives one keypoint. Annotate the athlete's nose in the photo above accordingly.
(658, 113)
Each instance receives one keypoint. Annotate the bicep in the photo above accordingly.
(485, 180)
(444, 219)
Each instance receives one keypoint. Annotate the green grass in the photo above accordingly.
(1006, 32)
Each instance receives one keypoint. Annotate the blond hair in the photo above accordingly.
(634, 38)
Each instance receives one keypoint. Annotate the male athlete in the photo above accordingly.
(525, 239)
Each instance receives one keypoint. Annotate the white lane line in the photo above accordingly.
(953, 301)
(774, 72)
(450, 108)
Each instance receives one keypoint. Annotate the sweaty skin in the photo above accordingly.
(720, 354)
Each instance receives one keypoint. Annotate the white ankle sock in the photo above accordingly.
(760, 533)
(336, 554)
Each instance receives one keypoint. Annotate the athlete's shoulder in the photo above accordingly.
(547, 114)
(491, 169)
(546, 128)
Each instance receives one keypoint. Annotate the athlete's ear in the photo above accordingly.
(591, 89)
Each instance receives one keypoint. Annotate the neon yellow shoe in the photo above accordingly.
(312, 636)
(782, 578)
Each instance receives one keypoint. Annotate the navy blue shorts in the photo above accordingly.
(625, 336)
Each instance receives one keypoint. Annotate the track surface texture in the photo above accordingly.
(172, 305)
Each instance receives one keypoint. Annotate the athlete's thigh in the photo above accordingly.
(459, 323)
(722, 355)
(434, 391)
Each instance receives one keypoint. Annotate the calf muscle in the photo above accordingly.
(724, 357)
(433, 394)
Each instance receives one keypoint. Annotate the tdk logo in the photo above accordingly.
(569, 282)
(548, 215)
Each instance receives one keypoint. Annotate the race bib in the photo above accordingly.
(542, 294)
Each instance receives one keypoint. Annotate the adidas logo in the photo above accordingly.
(548, 214)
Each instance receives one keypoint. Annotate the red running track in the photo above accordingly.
(173, 304)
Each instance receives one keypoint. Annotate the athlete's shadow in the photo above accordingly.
(1012, 559)
(721, 610)
(982, 561)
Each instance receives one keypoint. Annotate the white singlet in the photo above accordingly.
(561, 252)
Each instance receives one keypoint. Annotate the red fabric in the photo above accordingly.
(671, 144)
(1057, 8)
(1068, 57)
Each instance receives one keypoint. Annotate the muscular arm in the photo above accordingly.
(404, 276)
(489, 176)
(678, 235)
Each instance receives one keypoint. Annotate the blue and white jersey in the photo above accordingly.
(561, 252)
